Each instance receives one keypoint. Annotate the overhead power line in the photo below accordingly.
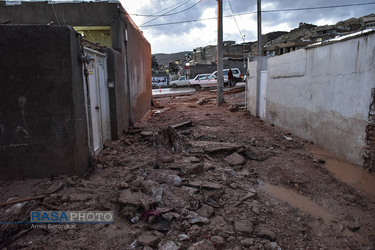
(153, 15)
(254, 12)
(166, 12)
(234, 17)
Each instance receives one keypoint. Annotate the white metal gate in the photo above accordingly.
(99, 98)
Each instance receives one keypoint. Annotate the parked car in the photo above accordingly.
(203, 81)
(180, 82)
(236, 74)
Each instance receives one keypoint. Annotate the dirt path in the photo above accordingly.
(221, 180)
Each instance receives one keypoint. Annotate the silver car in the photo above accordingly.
(203, 81)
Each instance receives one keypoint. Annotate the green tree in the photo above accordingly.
(173, 67)
(154, 63)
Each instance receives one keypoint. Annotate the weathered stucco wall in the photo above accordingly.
(43, 127)
(251, 81)
(323, 94)
(139, 68)
(132, 45)
(118, 93)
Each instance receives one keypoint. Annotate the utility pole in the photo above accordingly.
(259, 15)
(220, 78)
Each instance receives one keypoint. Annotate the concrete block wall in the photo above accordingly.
(43, 127)
(323, 94)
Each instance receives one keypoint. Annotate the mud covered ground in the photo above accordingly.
(193, 175)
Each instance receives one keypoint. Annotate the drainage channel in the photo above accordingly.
(348, 173)
(299, 201)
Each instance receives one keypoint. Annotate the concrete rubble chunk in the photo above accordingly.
(194, 218)
(206, 211)
(169, 245)
(132, 201)
(204, 244)
(193, 169)
(217, 240)
(164, 156)
(243, 226)
(265, 231)
(272, 246)
(148, 239)
(183, 237)
(174, 180)
(153, 189)
(211, 146)
(235, 159)
(205, 184)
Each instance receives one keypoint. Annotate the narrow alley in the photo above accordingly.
(194, 175)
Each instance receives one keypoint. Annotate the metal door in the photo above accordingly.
(99, 99)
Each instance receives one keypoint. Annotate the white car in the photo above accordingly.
(203, 81)
(180, 82)
(236, 75)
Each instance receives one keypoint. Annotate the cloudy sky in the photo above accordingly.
(156, 17)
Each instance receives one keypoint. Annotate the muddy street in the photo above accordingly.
(192, 175)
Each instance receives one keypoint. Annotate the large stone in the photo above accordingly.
(243, 226)
(193, 169)
(174, 180)
(204, 244)
(164, 156)
(206, 211)
(264, 231)
(218, 241)
(272, 246)
(148, 239)
(235, 159)
(169, 245)
(153, 189)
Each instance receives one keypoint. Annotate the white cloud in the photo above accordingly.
(189, 35)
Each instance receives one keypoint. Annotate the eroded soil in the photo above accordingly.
(227, 180)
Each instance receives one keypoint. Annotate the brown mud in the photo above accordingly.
(194, 175)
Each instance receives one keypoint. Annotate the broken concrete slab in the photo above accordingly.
(212, 146)
(205, 184)
(244, 226)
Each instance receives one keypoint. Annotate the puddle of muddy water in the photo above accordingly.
(299, 201)
(351, 174)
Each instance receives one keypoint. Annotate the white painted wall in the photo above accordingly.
(323, 94)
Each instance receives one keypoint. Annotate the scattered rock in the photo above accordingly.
(204, 244)
(153, 189)
(53, 188)
(15, 209)
(174, 180)
(272, 246)
(243, 226)
(217, 240)
(203, 101)
(288, 138)
(183, 237)
(257, 154)
(129, 202)
(264, 231)
(190, 190)
(212, 146)
(235, 159)
(248, 242)
(206, 211)
(164, 156)
(320, 161)
(203, 184)
(193, 169)
(148, 239)
(169, 245)
(233, 107)
(194, 218)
